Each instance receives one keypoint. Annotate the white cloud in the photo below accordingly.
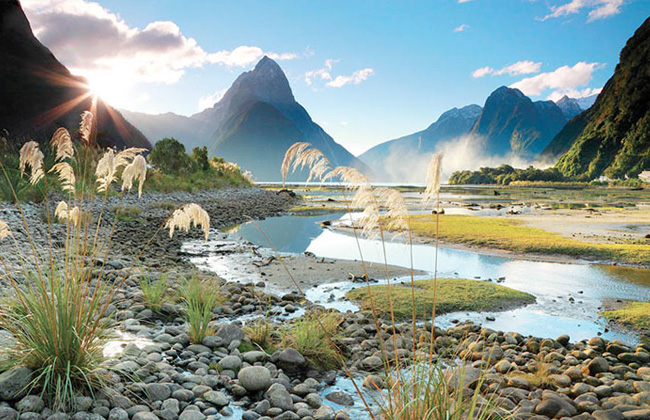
(461, 28)
(325, 74)
(244, 55)
(464, 1)
(208, 101)
(96, 43)
(598, 9)
(573, 93)
(564, 80)
(516, 69)
(355, 78)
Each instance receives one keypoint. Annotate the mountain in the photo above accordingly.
(586, 102)
(569, 106)
(612, 137)
(38, 94)
(253, 124)
(451, 124)
(512, 123)
(158, 126)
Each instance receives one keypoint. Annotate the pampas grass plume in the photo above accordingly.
(137, 169)
(186, 216)
(62, 144)
(31, 155)
(4, 230)
(66, 175)
(432, 190)
(86, 126)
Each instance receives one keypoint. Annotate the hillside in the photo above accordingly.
(38, 94)
(613, 137)
(253, 124)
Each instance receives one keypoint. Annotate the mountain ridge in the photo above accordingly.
(611, 138)
(38, 94)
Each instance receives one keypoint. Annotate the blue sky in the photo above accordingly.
(367, 71)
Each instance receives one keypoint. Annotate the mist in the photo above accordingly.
(408, 165)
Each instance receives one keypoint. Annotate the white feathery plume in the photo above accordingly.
(292, 152)
(31, 155)
(186, 216)
(66, 175)
(124, 157)
(432, 190)
(86, 126)
(105, 172)
(397, 213)
(4, 230)
(63, 213)
(62, 144)
(137, 169)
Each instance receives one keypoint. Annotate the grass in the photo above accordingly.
(635, 315)
(313, 339)
(428, 391)
(57, 305)
(201, 297)
(153, 292)
(511, 235)
(127, 213)
(261, 333)
(452, 295)
(196, 181)
(60, 332)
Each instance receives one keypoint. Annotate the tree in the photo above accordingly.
(169, 156)
(200, 157)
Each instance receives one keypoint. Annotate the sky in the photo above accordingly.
(367, 71)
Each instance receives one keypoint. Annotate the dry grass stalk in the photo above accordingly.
(31, 155)
(4, 230)
(291, 154)
(62, 144)
(63, 213)
(432, 191)
(66, 176)
(186, 216)
(137, 169)
(86, 126)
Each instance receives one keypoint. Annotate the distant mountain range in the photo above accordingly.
(38, 94)
(253, 125)
(612, 138)
(509, 124)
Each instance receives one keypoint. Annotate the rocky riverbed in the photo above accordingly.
(157, 374)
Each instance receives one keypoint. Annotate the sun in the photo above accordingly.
(108, 88)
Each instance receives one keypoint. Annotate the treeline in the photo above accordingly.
(506, 174)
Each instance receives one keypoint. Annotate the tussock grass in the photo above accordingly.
(511, 235)
(452, 295)
(201, 298)
(57, 308)
(633, 314)
(260, 332)
(310, 335)
(153, 291)
(430, 391)
(127, 213)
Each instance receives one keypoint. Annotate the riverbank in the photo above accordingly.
(160, 375)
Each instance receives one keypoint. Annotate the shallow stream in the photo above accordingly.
(569, 294)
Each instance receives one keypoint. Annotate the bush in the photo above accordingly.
(169, 156)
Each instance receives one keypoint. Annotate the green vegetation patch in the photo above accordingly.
(635, 315)
(509, 234)
(451, 295)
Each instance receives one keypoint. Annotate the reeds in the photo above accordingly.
(312, 335)
(153, 291)
(417, 389)
(57, 310)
